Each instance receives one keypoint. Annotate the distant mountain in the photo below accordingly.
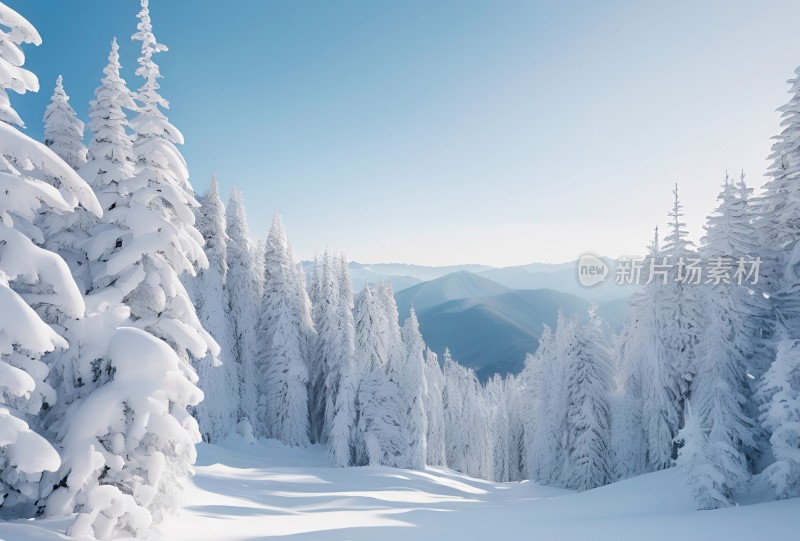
(420, 272)
(458, 285)
(400, 275)
(493, 334)
(561, 277)
(490, 327)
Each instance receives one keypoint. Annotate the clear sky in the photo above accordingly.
(450, 131)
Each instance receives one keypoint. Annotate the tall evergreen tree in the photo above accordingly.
(434, 409)
(500, 428)
(31, 278)
(414, 389)
(780, 414)
(695, 463)
(383, 437)
(63, 130)
(779, 204)
(326, 357)
(243, 292)
(547, 399)
(469, 447)
(218, 414)
(680, 303)
(283, 404)
(143, 443)
(343, 412)
(721, 391)
(589, 375)
(627, 445)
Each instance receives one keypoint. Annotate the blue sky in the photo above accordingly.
(449, 131)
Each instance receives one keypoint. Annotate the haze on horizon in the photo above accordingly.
(451, 132)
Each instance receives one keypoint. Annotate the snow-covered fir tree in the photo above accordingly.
(780, 414)
(218, 414)
(129, 441)
(67, 234)
(414, 388)
(695, 464)
(662, 390)
(720, 391)
(63, 130)
(515, 404)
(327, 355)
(383, 436)
(500, 428)
(343, 409)
(31, 279)
(627, 445)
(680, 302)
(110, 162)
(434, 410)
(243, 292)
(778, 207)
(283, 404)
(546, 404)
(467, 432)
(589, 376)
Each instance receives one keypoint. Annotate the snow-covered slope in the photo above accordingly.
(266, 491)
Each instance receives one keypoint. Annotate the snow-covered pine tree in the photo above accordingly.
(778, 208)
(370, 354)
(478, 454)
(467, 433)
(77, 371)
(342, 424)
(66, 234)
(243, 292)
(500, 428)
(283, 407)
(383, 435)
(326, 356)
(110, 154)
(31, 278)
(720, 390)
(759, 319)
(780, 414)
(546, 404)
(257, 250)
(414, 388)
(515, 400)
(316, 378)
(589, 376)
(162, 204)
(694, 463)
(63, 130)
(681, 303)
(434, 409)
(453, 401)
(628, 447)
(110, 162)
(122, 469)
(648, 355)
(218, 413)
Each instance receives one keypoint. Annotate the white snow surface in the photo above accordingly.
(264, 491)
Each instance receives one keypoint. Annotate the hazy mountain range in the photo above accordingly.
(491, 317)
(488, 326)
